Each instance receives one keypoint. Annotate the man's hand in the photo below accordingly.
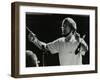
(31, 37)
(81, 44)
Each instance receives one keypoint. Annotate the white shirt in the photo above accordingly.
(66, 50)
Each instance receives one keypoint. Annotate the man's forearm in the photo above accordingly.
(39, 44)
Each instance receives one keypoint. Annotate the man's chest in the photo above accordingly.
(68, 47)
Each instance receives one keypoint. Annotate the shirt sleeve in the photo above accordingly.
(84, 47)
(53, 47)
(39, 44)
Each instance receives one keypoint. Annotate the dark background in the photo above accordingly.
(47, 28)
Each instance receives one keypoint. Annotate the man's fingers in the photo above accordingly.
(31, 37)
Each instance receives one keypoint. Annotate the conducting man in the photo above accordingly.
(70, 47)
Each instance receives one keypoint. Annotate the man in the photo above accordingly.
(31, 59)
(71, 47)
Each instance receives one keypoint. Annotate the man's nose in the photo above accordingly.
(62, 28)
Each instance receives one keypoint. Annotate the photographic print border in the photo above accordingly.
(15, 32)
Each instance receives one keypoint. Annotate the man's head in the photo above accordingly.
(68, 26)
(31, 59)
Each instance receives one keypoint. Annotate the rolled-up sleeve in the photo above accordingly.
(84, 47)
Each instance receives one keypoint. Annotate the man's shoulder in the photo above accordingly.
(62, 39)
(59, 40)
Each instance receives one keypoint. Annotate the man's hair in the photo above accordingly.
(31, 59)
(69, 21)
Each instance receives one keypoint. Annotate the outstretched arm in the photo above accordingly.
(51, 47)
(32, 38)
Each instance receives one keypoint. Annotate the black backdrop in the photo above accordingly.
(47, 28)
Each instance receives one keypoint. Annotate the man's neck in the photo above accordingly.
(68, 38)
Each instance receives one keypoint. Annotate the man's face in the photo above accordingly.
(66, 29)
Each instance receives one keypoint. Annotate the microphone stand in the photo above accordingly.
(43, 54)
